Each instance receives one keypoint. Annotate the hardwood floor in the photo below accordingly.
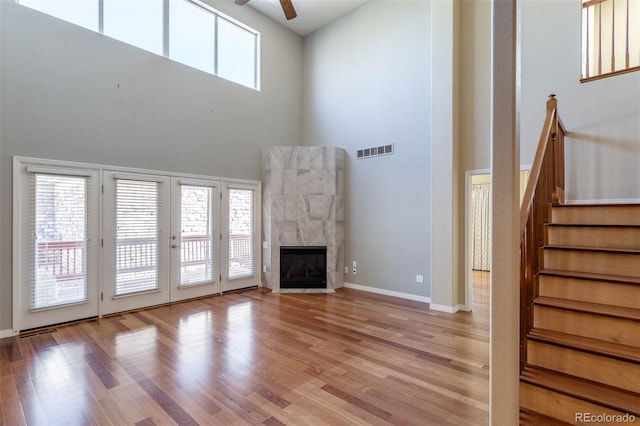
(253, 357)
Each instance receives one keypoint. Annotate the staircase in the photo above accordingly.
(582, 349)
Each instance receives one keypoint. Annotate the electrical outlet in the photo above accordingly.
(354, 271)
(419, 278)
(264, 268)
(346, 269)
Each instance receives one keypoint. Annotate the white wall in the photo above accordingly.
(367, 83)
(71, 94)
(603, 116)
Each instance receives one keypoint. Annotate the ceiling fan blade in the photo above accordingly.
(241, 2)
(289, 11)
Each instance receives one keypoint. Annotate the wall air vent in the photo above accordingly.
(375, 151)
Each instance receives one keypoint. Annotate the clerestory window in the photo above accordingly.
(186, 31)
(610, 37)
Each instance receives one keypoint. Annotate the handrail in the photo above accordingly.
(545, 186)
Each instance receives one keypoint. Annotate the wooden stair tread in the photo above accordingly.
(587, 390)
(620, 279)
(586, 344)
(589, 307)
(596, 205)
(592, 225)
(593, 249)
(529, 417)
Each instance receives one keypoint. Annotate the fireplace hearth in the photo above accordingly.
(303, 267)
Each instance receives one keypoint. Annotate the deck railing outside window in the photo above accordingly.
(610, 37)
(63, 259)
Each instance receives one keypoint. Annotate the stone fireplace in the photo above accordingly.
(303, 206)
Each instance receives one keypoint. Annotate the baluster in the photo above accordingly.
(599, 38)
(587, 48)
(626, 53)
(613, 35)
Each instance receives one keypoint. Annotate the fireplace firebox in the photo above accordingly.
(303, 267)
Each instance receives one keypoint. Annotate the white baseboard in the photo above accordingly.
(6, 333)
(388, 292)
(446, 308)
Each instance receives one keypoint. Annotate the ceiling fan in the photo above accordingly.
(287, 7)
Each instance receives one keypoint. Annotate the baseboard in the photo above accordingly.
(445, 308)
(388, 292)
(605, 201)
(6, 333)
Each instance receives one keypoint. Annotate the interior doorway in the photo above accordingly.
(478, 232)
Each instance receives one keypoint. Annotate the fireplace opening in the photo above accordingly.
(303, 267)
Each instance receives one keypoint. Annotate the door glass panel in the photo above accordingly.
(60, 275)
(241, 253)
(137, 235)
(196, 235)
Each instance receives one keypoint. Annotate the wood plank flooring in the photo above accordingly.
(252, 357)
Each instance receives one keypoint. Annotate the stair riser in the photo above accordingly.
(593, 262)
(601, 215)
(601, 327)
(596, 237)
(588, 366)
(559, 406)
(604, 292)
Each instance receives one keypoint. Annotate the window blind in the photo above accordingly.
(138, 219)
(241, 233)
(57, 253)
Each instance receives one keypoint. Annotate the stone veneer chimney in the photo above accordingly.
(303, 205)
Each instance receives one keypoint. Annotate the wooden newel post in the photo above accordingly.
(552, 105)
(557, 152)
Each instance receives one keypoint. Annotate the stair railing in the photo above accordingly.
(545, 186)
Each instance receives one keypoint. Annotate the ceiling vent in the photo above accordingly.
(375, 151)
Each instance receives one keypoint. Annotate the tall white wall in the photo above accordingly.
(367, 83)
(603, 116)
(71, 94)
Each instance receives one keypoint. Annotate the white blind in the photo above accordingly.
(138, 221)
(197, 226)
(241, 233)
(57, 251)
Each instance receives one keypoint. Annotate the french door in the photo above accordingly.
(195, 238)
(136, 227)
(95, 241)
(240, 236)
(58, 274)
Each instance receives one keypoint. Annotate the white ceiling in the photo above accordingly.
(312, 14)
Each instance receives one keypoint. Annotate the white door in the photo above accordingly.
(241, 237)
(195, 238)
(57, 280)
(136, 219)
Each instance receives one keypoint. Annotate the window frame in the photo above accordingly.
(166, 35)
